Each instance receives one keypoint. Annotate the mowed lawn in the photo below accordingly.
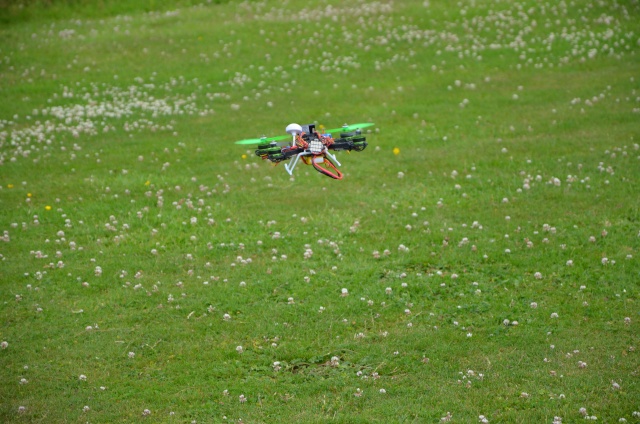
(477, 263)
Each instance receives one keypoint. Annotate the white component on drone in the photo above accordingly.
(316, 147)
(294, 129)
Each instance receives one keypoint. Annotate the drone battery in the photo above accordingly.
(316, 159)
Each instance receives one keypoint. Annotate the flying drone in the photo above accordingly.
(313, 147)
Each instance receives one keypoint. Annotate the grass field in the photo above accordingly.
(478, 262)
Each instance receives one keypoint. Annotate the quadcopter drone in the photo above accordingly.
(312, 147)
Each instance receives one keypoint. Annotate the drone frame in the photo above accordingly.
(317, 154)
(316, 149)
(312, 146)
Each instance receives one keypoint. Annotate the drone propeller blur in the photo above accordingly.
(312, 147)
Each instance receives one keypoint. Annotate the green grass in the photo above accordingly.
(132, 224)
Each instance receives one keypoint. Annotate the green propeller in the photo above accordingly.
(351, 127)
(262, 140)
